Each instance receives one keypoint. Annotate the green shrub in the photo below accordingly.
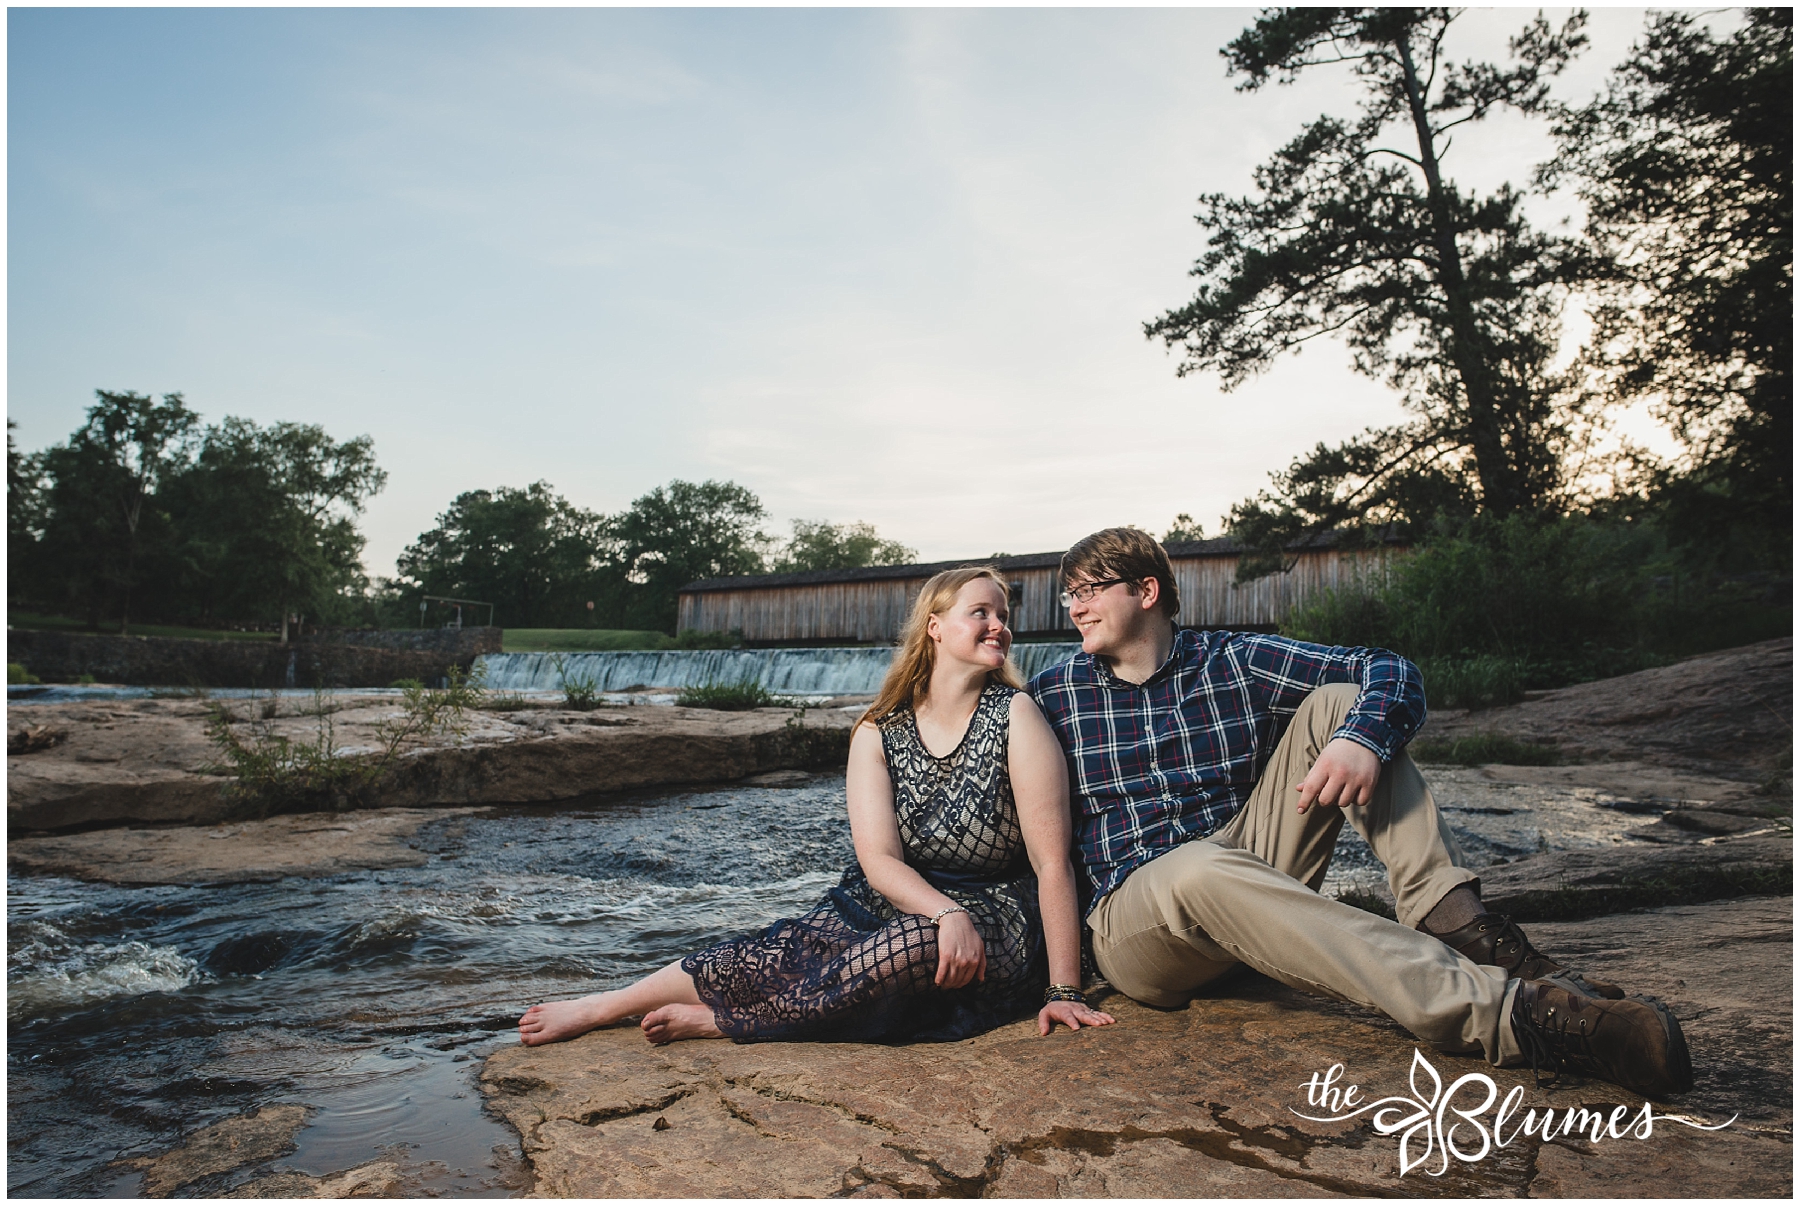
(17, 675)
(729, 697)
(1480, 749)
(581, 692)
(84, 680)
(1493, 607)
(407, 684)
(1484, 681)
(272, 772)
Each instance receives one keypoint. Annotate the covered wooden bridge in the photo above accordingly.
(869, 605)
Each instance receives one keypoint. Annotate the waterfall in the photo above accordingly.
(784, 671)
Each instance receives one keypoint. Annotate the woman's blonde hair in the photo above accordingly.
(909, 676)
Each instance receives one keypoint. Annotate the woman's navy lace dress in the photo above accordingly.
(855, 968)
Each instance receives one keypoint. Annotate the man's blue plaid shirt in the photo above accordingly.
(1171, 760)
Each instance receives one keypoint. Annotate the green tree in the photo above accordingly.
(1685, 163)
(1185, 528)
(1355, 231)
(25, 488)
(824, 545)
(102, 522)
(681, 533)
(266, 518)
(537, 557)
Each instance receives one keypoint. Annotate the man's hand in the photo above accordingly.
(962, 955)
(1345, 774)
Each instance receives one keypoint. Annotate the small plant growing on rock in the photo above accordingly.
(730, 697)
(581, 692)
(433, 709)
(273, 772)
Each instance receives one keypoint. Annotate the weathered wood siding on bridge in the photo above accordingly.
(871, 604)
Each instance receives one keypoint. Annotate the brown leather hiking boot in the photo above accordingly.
(1494, 939)
(1634, 1043)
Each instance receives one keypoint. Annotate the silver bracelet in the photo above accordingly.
(943, 913)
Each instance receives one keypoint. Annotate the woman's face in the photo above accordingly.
(973, 628)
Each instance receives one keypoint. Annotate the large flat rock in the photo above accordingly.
(1195, 1102)
(147, 761)
(1727, 713)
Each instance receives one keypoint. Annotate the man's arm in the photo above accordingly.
(1389, 709)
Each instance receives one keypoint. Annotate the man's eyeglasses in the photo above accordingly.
(1087, 590)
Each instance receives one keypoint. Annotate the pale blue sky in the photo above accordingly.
(887, 265)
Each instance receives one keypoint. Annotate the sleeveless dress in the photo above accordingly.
(854, 968)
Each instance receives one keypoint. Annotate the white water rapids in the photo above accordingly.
(783, 671)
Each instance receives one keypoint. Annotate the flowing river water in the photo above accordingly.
(138, 1015)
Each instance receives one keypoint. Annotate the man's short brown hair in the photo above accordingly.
(1126, 553)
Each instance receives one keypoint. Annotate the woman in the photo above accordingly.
(957, 793)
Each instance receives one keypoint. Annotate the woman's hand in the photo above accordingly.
(962, 955)
(1072, 1014)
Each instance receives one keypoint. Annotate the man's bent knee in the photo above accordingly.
(1334, 699)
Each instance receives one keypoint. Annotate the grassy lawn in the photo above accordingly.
(28, 620)
(579, 640)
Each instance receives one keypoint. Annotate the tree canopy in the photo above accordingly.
(530, 552)
(823, 545)
(541, 560)
(1355, 230)
(266, 517)
(101, 518)
(143, 512)
(1685, 164)
(682, 532)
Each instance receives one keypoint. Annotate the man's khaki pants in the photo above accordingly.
(1249, 894)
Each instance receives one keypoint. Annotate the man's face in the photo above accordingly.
(1115, 614)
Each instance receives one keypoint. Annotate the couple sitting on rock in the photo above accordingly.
(1211, 774)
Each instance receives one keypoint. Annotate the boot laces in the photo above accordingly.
(1558, 1042)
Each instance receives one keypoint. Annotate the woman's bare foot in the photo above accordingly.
(673, 1022)
(555, 1021)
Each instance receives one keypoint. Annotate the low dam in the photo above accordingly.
(844, 671)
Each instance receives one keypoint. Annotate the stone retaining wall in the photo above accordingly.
(168, 662)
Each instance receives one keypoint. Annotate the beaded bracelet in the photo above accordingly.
(943, 913)
(1064, 992)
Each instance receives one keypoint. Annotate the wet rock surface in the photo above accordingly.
(146, 761)
(225, 1146)
(1192, 1102)
(305, 844)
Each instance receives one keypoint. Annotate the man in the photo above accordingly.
(1211, 773)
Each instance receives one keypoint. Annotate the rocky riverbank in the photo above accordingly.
(85, 765)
